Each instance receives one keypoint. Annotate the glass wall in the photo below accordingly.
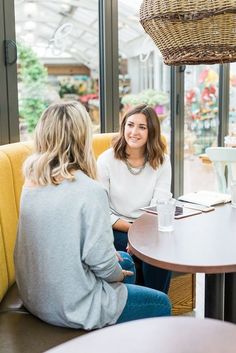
(200, 125)
(143, 78)
(232, 101)
(57, 57)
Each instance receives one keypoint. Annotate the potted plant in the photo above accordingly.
(154, 98)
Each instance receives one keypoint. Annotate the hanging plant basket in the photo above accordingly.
(191, 31)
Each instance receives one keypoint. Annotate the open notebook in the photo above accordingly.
(205, 198)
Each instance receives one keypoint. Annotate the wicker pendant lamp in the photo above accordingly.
(191, 31)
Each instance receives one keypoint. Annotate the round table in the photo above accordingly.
(157, 335)
(201, 243)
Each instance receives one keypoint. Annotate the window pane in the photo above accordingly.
(58, 57)
(143, 78)
(201, 125)
(232, 100)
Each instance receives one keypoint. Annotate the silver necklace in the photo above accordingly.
(134, 170)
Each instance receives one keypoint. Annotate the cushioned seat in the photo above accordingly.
(12, 301)
(22, 332)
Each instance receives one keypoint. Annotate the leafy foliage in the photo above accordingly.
(32, 77)
(150, 97)
(67, 89)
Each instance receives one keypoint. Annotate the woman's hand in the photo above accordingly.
(127, 273)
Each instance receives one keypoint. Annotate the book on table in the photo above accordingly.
(205, 198)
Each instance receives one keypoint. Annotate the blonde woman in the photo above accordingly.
(67, 269)
(133, 172)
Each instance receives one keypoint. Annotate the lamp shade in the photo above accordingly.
(191, 31)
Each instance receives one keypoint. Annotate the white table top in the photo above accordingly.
(157, 335)
(201, 243)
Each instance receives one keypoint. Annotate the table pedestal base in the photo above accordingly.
(220, 294)
(230, 297)
(214, 296)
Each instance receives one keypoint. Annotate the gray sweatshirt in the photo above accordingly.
(66, 267)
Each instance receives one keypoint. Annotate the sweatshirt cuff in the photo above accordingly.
(115, 275)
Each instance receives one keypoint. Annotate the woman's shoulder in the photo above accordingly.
(164, 165)
(107, 155)
(166, 158)
(89, 184)
(29, 184)
(166, 162)
(89, 189)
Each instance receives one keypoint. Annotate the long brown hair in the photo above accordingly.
(63, 144)
(155, 147)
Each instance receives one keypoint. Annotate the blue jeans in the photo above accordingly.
(153, 277)
(127, 263)
(142, 302)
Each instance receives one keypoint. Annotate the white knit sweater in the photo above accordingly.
(127, 192)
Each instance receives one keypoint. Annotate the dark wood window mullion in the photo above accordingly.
(11, 71)
(223, 103)
(4, 125)
(177, 129)
(108, 64)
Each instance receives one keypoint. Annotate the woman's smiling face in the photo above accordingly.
(136, 131)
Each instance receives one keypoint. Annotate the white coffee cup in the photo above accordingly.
(166, 214)
(233, 193)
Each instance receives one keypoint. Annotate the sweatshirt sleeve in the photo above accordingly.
(104, 179)
(99, 253)
(164, 179)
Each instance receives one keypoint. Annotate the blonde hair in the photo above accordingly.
(63, 144)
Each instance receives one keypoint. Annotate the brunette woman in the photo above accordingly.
(133, 172)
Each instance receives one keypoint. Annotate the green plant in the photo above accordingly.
(72, 86)
(31, 109)
(150, 97)
(32, 76)
(66, 88)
